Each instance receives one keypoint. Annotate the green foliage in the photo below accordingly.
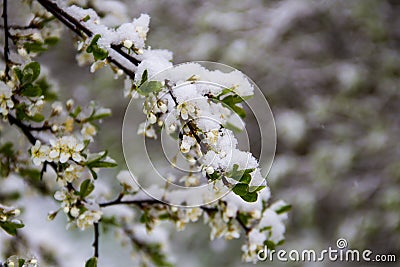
(150, 87)
(33, 174)
(242, 188)
(98, 53)
(147, 87)
(157, 256)
(28, 74)
(7, 155)
(284, 209)
(230, 99)
(39, 46)
(86, 188)
(99, 162)
(48, 94)
(92, 262)
(11, 227)
(214, 176)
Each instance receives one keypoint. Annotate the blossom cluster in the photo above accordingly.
(203, 117)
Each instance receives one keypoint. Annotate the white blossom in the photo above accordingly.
(65, 148)
(39, 153)
(87, 218)
(5, 99)
(88, 131)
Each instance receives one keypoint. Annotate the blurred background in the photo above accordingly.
(330, 71)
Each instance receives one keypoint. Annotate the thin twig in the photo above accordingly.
(96, 239)
(25, 129)
(77, 27)
(118, 201)
(6, 36)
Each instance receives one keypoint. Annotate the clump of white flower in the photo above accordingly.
(39, 153)
(269, 231)
(88, 218)
(88, 131)
(72, 173)
(6, 102)
(14, 261)
(65, 148)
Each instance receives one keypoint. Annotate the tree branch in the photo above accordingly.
(118, 201)
(6, 37)
(96, 239)
(140, 203)
(77, 27)
(24, 128)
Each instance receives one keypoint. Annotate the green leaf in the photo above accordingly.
(31, 90)
(46, 89)
(21, 262)
(240, 189)
(76, 112)
(235, 173)
(85, 19)
(34, 47)
(214, 176)
(256, 188)
(36, 118)
(242, 176)
(7, 149)
(31, 173)
(156, 255)
(164, 216)
(86, 188)
(99, 53)
(224, 92)
(11, 227)
(20, 111)
(150, 87)
(92, 262)
(31, 72)
(97, 117)
(18, 73)
(145, 76)
(246, 178)
(232, 100)
(94, 174)
(50, 41)
(240, 111)
(232, 127)
(284, 209)
(102, 164)
(270, 244)
(250, 197)
(95, 39)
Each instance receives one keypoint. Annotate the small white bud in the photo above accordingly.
(151, 118)
(66, 209)
(128, 43)
(16, 212)
(69, 104)
(74, 212)
(163, 108)
(210, 170)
